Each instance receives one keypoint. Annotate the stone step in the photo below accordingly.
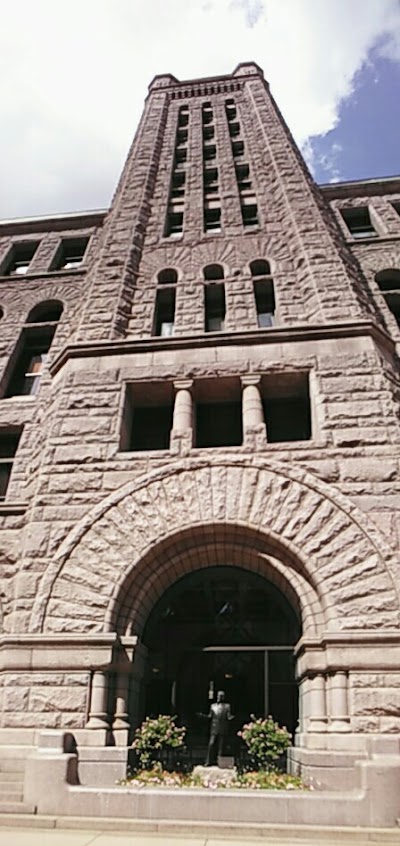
(16, 808)
(11, 778)
(12, 795)
(285, 834)
(12, 765)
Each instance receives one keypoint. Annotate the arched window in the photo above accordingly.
(212, 272)
(168, 276)
(260, 267)
(49, 311)
(33, 347)
(389, 283)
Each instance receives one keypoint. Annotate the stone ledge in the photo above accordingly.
(277, 335)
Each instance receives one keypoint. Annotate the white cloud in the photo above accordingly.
(75, 74)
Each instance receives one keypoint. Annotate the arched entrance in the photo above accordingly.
(221, 628)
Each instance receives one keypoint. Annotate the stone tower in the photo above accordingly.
(199, 429)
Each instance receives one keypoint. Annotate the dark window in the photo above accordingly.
(28, 369)
(180, 156)
(168, 276)
(70, 254)
(178, 185)
(19, 258)
(396, 207)
(234, 130)
(151, 427)
(209, 152)
(388, 280)
(183, 117)
(230, 110)
(214, 300)
(212, 219)
(358, 222)
(219, 424)
(147, 420)
(210, 179)
(49, 311)
(181, 137)
(287, 412)
(265, 302)
(213, 271)
(165, 312)
(174, 225)
(237, 149)
(8, 447)
(393, 302)
(260, 267)
(207, 113)
(243, 177)
(1, 313)
(208, 133)
(250, 214)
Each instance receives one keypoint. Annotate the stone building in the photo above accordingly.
(199, 430)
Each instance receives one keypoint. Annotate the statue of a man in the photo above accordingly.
(220, 715)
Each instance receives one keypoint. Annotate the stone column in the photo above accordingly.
(121, 716)
(98, 717)
(254, 429)
(182, 427)
(338, 703)
(317, 715)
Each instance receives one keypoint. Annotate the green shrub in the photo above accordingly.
(266, 742)
(155, 737)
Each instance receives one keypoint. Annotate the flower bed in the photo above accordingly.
(257, 780)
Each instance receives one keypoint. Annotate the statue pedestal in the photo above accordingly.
(226, 762)
(215, 775)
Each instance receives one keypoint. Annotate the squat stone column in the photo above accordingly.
(317, 715)
(121, 716)
(254, 429)
(98, 717)
(182, 426)
(338, 703)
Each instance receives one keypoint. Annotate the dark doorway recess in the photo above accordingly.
(221, 628)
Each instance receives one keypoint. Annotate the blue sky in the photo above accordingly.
(366, 139)
(75, 74)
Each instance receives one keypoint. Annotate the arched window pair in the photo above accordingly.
(389, 283)
(32, 348)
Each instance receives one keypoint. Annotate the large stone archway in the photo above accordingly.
(296, 519)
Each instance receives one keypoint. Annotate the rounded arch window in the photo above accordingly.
(49, 311)
(260, 267)
(213, 272)
(388, 279)
(168, 276)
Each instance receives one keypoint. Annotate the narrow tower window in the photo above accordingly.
(214, 299)
(70, 254)
(33, 348)
(8, 448)
(287, 411)
(389, 284)
(213, 271)
(164, 323)
(19, 258)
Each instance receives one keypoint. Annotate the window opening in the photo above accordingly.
(213, 271)
(260, 267)
(209, 152)
(250, 214)
(237, 149)
(214, 301)
(174, 227)
(18, 260)
(164, 323)
(388, 280)
(8, 448)
(168, 276)
(234, 130)
(70, 254)
(358, 222)
(212, 219)
(147, 420)
(265, 302)
(287, 411)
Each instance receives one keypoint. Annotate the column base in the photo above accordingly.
(99, 722)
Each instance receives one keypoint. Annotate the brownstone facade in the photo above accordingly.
(203, 377)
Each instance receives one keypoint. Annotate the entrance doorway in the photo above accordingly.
(221, 628)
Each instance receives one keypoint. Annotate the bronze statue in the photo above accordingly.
(220, 715)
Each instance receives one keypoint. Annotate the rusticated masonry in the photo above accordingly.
(303, 522)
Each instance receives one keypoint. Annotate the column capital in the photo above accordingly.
(250, 379)
(183, 384)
